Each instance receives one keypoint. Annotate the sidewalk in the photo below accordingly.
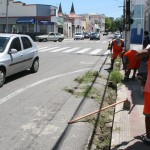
(129, 126)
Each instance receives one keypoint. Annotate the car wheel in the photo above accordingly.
(59, 40)
(2, 77)
(35, 66)
(44, 40)
(40, 40)
(74, 39)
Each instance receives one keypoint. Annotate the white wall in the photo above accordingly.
(16, 9)
(3, 8)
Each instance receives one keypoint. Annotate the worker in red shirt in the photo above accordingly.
(117, 46)
(146, 111)
(130, 63)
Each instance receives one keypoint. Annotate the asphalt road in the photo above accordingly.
(32, 105)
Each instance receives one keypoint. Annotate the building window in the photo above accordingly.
(31, 28)
(24, 28)
(43, 29)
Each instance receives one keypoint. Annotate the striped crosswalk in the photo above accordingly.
(76, 50)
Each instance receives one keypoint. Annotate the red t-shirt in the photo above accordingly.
(147, 85)
(133, 63)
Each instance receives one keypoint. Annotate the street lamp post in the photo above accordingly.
(7, 16)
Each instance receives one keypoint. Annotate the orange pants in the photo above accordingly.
(116, 54)
(146, 104)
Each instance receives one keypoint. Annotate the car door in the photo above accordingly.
(51, 37)
(16, 59)
(28, 52)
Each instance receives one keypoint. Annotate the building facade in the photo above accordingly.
(19, 17)
(138, 15)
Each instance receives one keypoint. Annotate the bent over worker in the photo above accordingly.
(131, 63)
(117, 46)
(146, 110)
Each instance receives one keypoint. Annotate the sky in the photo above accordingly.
(110, 8)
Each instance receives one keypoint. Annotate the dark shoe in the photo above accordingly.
(109, 69)
(133, 78)
(125, 79)
(146, 140)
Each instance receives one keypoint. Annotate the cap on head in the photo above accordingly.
(118, 39)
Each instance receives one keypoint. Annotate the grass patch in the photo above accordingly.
(90, 92)
(102, 136)
(116, 76)
(87, 77)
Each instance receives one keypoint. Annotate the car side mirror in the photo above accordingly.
(12, 51)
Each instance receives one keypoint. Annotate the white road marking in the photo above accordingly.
(60, 49)
(104, 41)
(107, 52)
(86, 63)
(40, 48)
(72, 49)
(95, 51)
(83, 50)
(8, 97)
(48, 49)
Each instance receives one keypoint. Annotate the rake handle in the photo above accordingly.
(81, 117)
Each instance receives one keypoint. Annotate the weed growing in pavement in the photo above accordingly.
(102, 136)
(93, 93)
(87, 77)
(116, 76)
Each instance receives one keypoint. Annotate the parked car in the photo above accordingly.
(105, 33)
(52, 36)
(86, 35)
(18, 52)
(94, 36)
(78, 36)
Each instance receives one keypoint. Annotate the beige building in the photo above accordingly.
(20, 17)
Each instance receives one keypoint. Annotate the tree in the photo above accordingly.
(114, 24)
(108, 23)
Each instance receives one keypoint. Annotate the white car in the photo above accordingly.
(17, 53)
(51, 36)
(79, 36)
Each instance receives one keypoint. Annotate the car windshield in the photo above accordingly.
(78, 33)
(93, 33)
(3, 43)
(58, 33)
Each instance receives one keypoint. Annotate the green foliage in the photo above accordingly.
(116, 76)
(87, 78)
(114, 24)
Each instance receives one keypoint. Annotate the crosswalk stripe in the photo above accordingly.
(107, 52)
(83, 50)
(72, 49)
(95, 51)
(48, 49)
(42, 48)
(60, 49)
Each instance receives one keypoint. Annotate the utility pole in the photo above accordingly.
(7, 16)
(127, 25)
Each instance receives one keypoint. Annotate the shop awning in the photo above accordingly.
(26, 20)
(45, 22)
(59, 24)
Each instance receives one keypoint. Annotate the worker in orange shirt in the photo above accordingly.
(130, 63)
(117, 46)
(146, 111)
